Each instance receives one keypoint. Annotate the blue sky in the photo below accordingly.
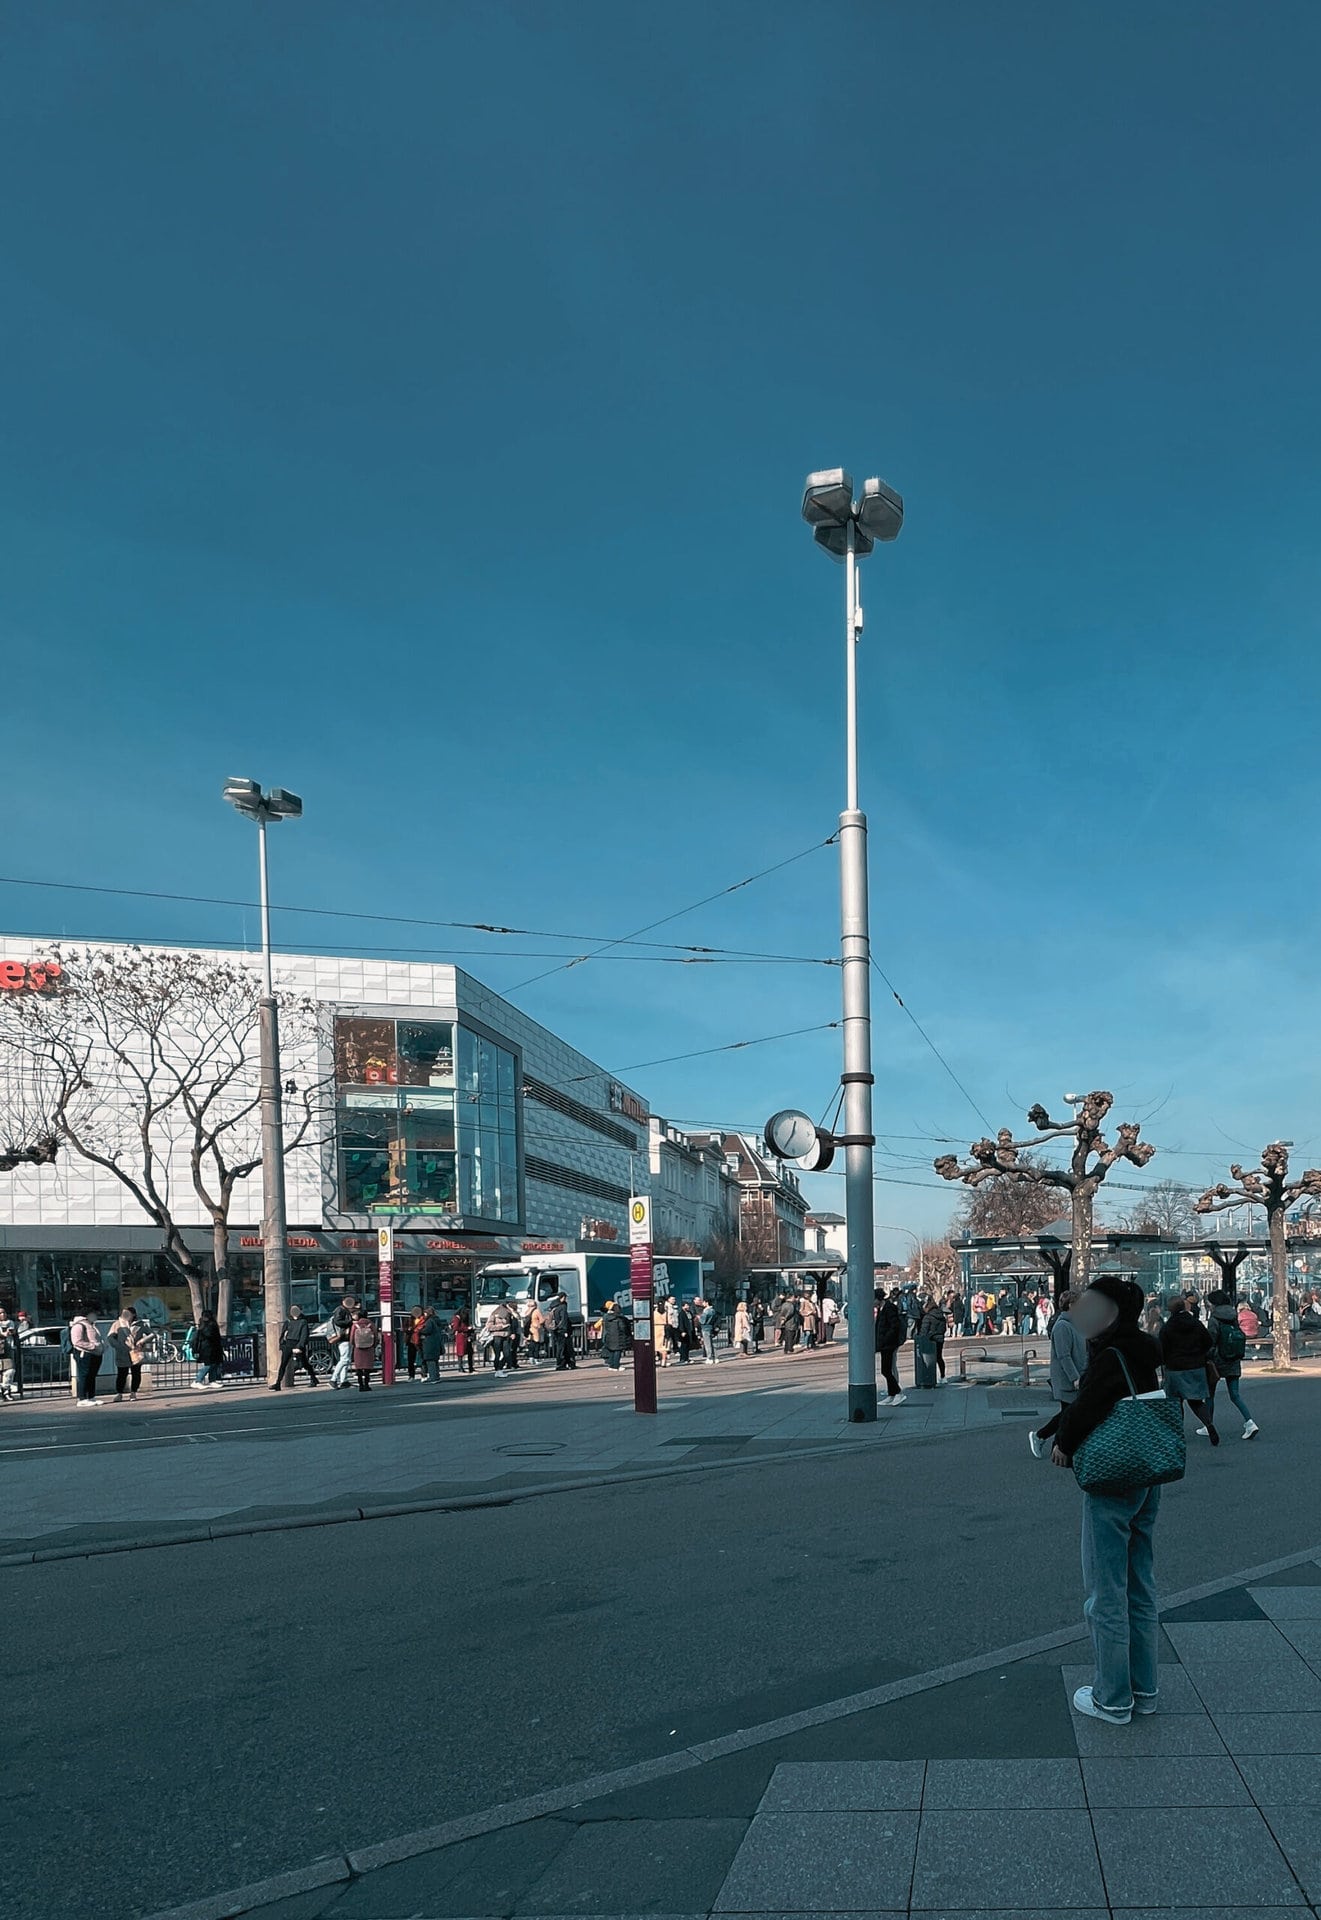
(410, 406)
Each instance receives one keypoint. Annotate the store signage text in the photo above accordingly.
(30, 976)
(622, 1101)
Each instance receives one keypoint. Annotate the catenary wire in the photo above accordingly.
(931, 1043)
(721, 893)
(407, 920)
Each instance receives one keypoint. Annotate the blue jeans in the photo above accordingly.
(1121, 1608)
(1232, 1385)
(206, 1374)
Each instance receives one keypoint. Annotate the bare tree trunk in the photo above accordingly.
(224, 1279)
(1081, 1268)
(1281, 1331)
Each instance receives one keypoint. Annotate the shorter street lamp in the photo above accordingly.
(265, 809)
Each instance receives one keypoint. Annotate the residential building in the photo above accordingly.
(827, 1233)
(772, 1209)
(694, 1196)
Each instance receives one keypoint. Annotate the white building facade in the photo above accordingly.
(694, 1196)
(445, 1109)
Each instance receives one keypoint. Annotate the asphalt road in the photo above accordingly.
(187, 1719)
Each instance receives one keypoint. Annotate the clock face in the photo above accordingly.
(790, 1134)
(820, 1154)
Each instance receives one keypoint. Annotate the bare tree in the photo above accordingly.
(938, 1267)
(1010, 1209)
(147, 1064)
(1164, 1208)
(1007, 1159)
(1269, 1187)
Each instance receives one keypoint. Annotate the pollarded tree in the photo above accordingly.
(1009, 1160)
(1270, 1188)
(146, 1065)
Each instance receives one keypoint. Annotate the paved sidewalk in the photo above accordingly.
(985, 1795)
(248, 1459)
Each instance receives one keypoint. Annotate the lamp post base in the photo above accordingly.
(862, 1403)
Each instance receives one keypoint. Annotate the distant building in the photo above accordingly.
(826, 1233)
(772, 1210)
(694, 1196)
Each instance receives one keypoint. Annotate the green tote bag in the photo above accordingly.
(1140, 1443)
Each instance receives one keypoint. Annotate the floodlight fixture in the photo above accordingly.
(243, 794)
(283, 805)
(828, 498)
(880, 512)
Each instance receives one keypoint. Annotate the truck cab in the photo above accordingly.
(523, 1285)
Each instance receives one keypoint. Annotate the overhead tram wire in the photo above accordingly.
(899, 1002)
(409, 920)
(665, 919)
(727, 1046)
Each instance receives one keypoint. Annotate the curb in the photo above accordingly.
(512, 1813)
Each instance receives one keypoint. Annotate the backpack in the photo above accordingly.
(1231, 1341)
(66, 1341)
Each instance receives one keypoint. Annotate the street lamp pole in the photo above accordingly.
(848, 530)
(264, 808)
(921, 1263)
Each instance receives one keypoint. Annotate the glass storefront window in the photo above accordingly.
(365, 1053)
(428, 1118)
(488, 1129)
(425, 1053)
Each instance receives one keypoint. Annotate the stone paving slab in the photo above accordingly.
(961, 1784)
(823, 1863)
(1211, 1780)
(979, 1859)
(845, 1786)
(1288, 1603)
(1206, 1855)
(1282, 1733)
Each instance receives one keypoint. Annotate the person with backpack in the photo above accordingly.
(341, 1326)
(1227, 1355)
(294, 1337)
(979, 1312)
(86, 1348)
(431, 1345)
(1121, 1606)
(363, 1341)
(8, 1355)
(891, 1332)
(791, 1325)
(1185, 1347)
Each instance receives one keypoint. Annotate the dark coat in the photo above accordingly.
(891, 1327)
(209, 1344)
(1185, 1344)
(933, 1328)
(613, 1332)
(295, 1334)
(1103, 1383)
(431, 1340)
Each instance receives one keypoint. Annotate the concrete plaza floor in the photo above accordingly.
(985, 1795)
(141, 1475)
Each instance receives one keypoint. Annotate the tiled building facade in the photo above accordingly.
(444, 1107)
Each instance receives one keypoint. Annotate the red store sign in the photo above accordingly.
(30, 976)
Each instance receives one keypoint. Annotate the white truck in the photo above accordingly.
(588, 1281)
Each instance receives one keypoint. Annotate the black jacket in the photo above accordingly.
(891, 1327)
(1103, 1383)
(209, 1345)
(1184, 1342)
(294, 1335)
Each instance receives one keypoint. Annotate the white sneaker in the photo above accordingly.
(1251, 1431)
(1037, 1445)
(1201, 1433)
(896, 1400)
(1084, 1703)
(199, 1386)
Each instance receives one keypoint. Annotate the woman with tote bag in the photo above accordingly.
(1123, 1439)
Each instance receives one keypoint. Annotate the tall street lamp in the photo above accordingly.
(848, 529)
(265, 809)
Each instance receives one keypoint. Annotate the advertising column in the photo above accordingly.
(640, 1278)
(385, 1256)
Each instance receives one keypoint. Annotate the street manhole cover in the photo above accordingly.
(529, 1453)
